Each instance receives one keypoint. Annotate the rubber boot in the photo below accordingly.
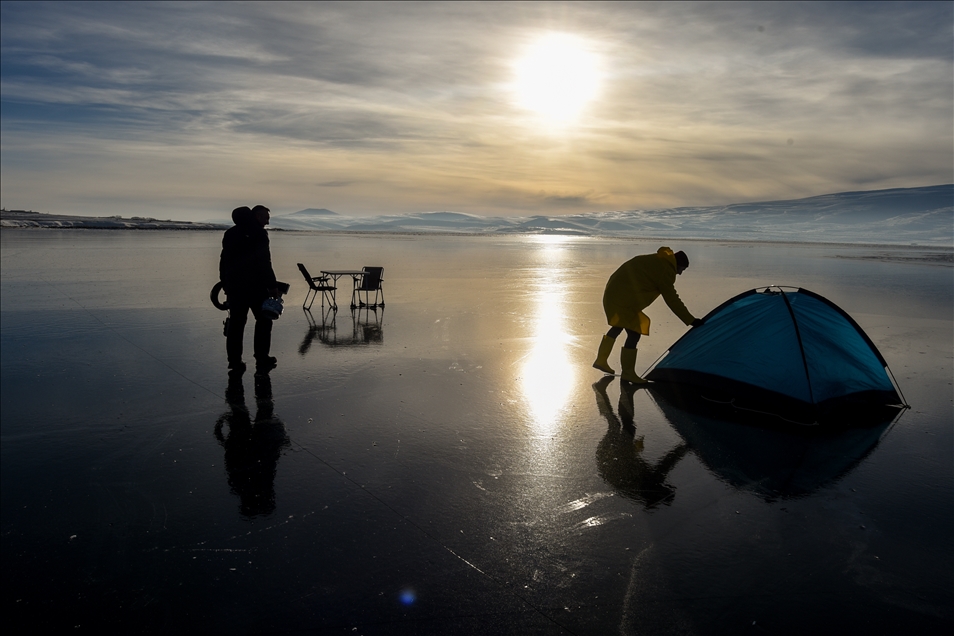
(602, 357)
(627, 358)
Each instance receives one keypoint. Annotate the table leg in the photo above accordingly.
(354, 291)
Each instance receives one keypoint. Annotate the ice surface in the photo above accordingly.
(446, 465)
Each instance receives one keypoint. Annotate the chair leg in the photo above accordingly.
(312, 293)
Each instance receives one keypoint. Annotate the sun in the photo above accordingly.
(557, 76)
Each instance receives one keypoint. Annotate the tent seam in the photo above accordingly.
(801, 347)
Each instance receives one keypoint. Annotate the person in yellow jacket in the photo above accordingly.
(633, 287)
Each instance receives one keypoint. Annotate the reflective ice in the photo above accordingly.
(452, 463)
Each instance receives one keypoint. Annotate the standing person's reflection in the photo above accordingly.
(619, 454)
(252, 447)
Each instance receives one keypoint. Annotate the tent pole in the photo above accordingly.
(801, 347)
(897, 387)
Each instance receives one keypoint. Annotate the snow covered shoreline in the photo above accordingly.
(30, 219)
(922, 217)
(898, 216)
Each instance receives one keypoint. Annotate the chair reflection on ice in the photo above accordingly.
(365, 322)
(323, 329)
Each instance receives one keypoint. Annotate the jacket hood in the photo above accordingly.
(667, 255)
(242, 215)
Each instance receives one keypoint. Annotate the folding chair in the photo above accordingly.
(371, 281)
(317, 284)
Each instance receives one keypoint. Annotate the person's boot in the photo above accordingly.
(627, 358)
(264, 364)
(602, 356)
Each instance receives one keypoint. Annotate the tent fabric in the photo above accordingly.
(793, 345)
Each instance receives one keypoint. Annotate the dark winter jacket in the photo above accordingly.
(245, 267)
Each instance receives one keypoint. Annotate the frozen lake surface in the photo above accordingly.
(452, 464)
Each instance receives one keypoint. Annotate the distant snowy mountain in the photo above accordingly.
(924, 216)
(310, 213)
(31, 219)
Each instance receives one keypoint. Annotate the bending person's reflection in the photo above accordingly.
(252, 447)
(619, 454)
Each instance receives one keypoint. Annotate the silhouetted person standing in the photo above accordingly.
(633, 287)
(245, 269)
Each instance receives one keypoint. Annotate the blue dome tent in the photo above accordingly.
(784, 350)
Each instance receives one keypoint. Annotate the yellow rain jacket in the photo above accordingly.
(636, 284)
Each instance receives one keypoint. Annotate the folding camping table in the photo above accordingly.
(355, 275)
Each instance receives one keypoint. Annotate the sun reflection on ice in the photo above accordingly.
(547, 375)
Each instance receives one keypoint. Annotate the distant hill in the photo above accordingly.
(31, 219)
(310, 212)
(923, 216)
(919, 216)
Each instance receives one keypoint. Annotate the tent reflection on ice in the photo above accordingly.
(784, 350)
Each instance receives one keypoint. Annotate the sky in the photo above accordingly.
(187, 110)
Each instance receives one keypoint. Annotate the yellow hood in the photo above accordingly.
(667, 255)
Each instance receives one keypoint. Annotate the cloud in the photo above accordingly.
(405, 106)
(585, 199)
(335, 184)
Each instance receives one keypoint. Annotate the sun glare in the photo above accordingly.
(557, 77)
(548, 374)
